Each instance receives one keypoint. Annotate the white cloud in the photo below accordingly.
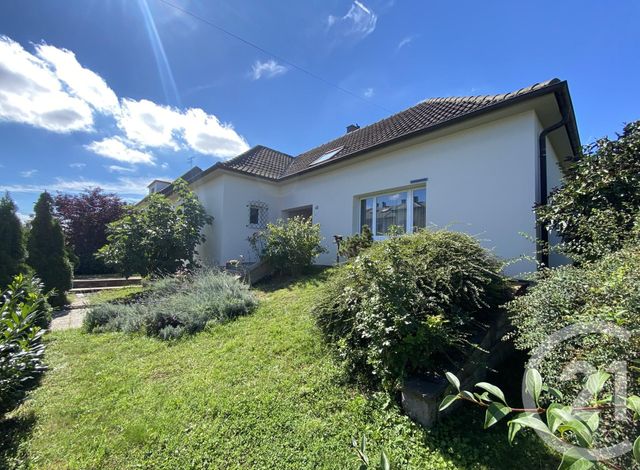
(268, 69)
(24, 218)
(204, 133)
(368, 92)
(119, 149)
(122, 185)
(81, 82)
(30, 93)
(151, 125)
(120, 169)
(359, 21)
(77, 165)
(52, 90)
(28, 173)
(405, 42)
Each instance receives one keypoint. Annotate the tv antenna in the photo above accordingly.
(190, 160)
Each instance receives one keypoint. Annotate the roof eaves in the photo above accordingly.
(551, 86)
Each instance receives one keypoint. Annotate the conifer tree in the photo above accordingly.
(11, 242)
(47, 254)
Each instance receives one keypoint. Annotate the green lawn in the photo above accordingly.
(110, 295)
(262, 391)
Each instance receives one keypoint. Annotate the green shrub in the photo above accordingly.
(47, 251)
(604, 291)
(351, 246)
(159, 237)
(176, 306)
(396, 308)
(12, 254)
(289, 246)
(22, 309)
(607, 291)
(596, 208)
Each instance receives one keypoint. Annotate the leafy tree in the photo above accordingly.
(11, 241)
(84, 218)
(47, 254)
(289, 246)
(596, 208)
(159, 237)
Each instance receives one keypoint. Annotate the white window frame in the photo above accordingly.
(374, 197)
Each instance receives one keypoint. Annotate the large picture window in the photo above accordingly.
(404, 209)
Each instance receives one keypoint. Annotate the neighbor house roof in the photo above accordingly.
(189, 176)
(424, 117)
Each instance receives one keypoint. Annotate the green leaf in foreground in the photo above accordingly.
(448, 400)
(533, 384)
(495, 412)
(633, 403)
(384, 461)
(513, 430)
(493, 390)
(453, 380)
(596, 381)
(580, 430)
(636, 449)
(530, 420)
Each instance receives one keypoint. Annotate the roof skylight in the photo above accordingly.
(326, 156)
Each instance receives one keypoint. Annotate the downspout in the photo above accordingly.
(542, 234)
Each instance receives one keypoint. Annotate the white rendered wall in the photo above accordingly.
(210, 195)
(554, 180)
(480, 181)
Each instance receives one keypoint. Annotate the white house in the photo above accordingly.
(476, 164)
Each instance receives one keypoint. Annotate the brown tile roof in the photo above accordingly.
(260, 161)
(423, 117)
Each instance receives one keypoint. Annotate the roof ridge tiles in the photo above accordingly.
(272, 164)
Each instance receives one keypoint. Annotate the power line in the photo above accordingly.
(274, 55)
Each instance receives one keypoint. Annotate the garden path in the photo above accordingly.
(72, 316)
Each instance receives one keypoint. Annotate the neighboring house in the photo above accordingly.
(472, 164)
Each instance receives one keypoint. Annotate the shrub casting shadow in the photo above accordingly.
(314, 276)
(13, 431)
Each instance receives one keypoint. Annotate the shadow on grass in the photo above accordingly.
(14, 431)
(315, 276)
(468, 445)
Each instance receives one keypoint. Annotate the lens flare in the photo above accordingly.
(164, 69)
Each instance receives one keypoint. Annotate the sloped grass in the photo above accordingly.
(262, 391)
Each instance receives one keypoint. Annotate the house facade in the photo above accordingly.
(474, 164)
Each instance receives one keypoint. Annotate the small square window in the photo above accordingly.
(257, 214)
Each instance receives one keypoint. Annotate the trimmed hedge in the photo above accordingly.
(400, 306)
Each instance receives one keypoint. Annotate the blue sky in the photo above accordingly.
(118, 92)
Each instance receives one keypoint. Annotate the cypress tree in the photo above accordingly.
(46, 250)
(11, 242)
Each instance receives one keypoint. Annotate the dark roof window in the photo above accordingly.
(326, 156)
